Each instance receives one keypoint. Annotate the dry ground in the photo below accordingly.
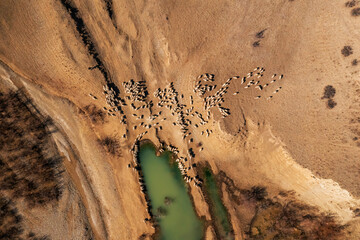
(293, 142)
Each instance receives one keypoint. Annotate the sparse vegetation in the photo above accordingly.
(10, 220)
(292, 221)
(354, 62)
(30, 166)
(355, 12)
(288, 219)
(329, 92)
(347, 50)
(351, 3)
(331, 103)
(257, 192)
(95, 114)
(111, 144)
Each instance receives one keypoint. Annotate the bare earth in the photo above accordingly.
(294, 140)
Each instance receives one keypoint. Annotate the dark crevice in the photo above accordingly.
(110, 11)
(88, 42)
(109, 8)
(86, 37)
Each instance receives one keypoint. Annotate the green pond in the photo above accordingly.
(171, 205)
(218, 210)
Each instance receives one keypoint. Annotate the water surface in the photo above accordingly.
(217, 208)
(171, 205)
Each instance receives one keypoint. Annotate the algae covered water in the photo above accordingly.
(221, 220)
(171, 205)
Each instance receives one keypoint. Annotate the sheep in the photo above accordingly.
(277, 90)
(243, 80)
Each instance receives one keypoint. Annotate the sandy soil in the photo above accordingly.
(291, 142)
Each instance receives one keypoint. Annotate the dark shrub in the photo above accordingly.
(329, 92)
(111, 144)
(347, 50)
(355, 12)
(258, 193)
(95, 114)
(331, 103)
(350, 4)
